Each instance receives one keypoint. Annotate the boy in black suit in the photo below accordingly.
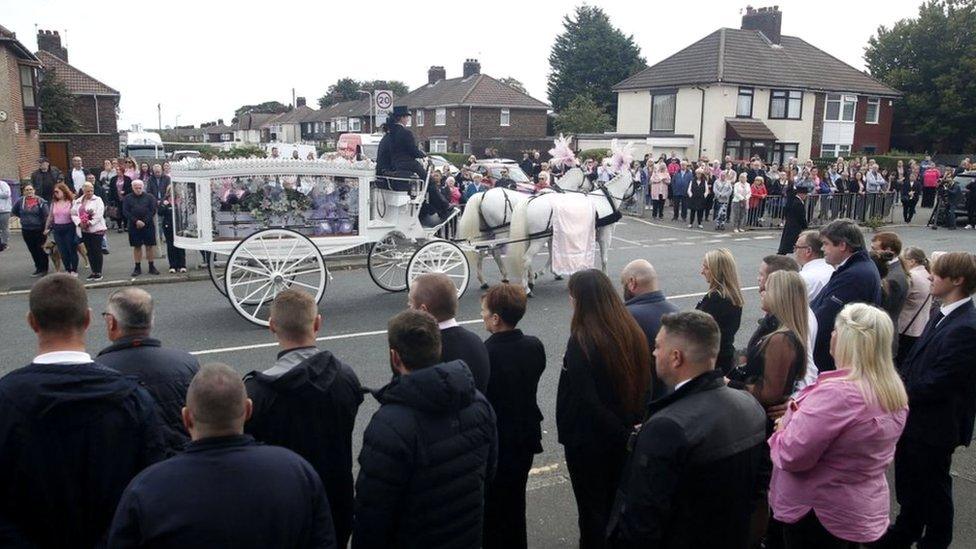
(940, 378)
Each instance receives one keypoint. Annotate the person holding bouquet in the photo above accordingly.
(88, 213)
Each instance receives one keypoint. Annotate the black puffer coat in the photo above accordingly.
(427, 454)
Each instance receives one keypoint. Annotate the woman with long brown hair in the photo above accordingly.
(602, 388)
(60, 223)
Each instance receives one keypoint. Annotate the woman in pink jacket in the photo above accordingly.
(832, 447)
(658, 189)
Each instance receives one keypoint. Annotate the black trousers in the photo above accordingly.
(924, 491)
(908, 209)
(658, 208)
(505, 504)
(595, 475)
(175, 256)
(680, 205)
(93, 249)
(696, 213)
(34, 239)
(809, 533)
(928, 196)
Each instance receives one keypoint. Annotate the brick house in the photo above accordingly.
(19, 114)
(96, 108)
(473, 112)
(752, 91)
(325, 125)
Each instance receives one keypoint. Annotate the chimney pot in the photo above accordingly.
(435, 74)
(471, 67)
(51, 42)
(299, 101)
(767, 20)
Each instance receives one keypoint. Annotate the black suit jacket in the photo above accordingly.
(856, 281)
(459, 343)
(940, 377)
(517, 363)
(795, 222)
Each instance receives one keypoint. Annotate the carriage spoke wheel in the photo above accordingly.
(216, 265)
(388, 260)
(441, 256)
(268, 262)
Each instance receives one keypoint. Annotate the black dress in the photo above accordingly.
(728, 316)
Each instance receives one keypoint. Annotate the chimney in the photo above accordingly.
(50, 41)
(220, 121)
(768, 20)
(299, 102)
(471, 67)
(435, 74)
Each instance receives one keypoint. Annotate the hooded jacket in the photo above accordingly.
(72, 436)
(427, 455)
(166, 373)
(325, 394)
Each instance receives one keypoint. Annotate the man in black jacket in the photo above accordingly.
(73, 433)
(226, 490)
(692, 477)
(436, 294)
(139, 209)
(164, 372)
(318, 388)
(941, 383)
(855, 280)
(647, 304)
(44, 178)
(428, 452)
(794, 220)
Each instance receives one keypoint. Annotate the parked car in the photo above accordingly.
(180, 155)
(963, 180)
(442, 165)
(493, 169)
(359, 145)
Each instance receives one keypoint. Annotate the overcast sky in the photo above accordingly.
(204, 58)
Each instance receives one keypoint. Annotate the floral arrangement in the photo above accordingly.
(86, 216)
(270, 204)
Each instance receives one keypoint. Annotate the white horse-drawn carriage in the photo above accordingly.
(266, 225)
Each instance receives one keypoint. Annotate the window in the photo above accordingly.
(27, 86)
(438, 145)
(786, 104)
(840, 108)
(662, 112)
(420, 117)
(833, 151)
(466, 148)
(343, 124)
(743, 108)
(506, 118)
(869, 149)
(782, 152)
(355, 124)
(440, 117)
(873, 111)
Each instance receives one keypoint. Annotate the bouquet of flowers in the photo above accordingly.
(86, 216)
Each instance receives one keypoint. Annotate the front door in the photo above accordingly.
(57, 153)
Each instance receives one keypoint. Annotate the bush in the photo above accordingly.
(454, 158)
(885, 161)
(596, 154)
(247, 151)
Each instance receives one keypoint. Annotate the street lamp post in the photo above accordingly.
(371, 115)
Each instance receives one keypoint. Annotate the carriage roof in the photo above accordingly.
(200, 168)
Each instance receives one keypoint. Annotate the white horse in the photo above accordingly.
(534, 217)
(487, 215)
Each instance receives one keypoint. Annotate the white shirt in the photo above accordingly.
(449, 323)
(811, 374)
(816, 274)
(78, 178)
(947, 309)
(63, 357)
(678, 386)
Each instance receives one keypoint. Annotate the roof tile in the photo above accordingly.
(79, 82)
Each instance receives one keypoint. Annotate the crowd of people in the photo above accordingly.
(76, 209)
(672, 436)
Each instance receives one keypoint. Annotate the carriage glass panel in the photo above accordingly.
(185, 209)
(314, 205)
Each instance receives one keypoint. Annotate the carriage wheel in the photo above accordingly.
(216, 268)
(267, 262)
(388, 260)
(441, 256)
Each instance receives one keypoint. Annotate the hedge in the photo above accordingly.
(886, 162)
(595, 154)
(457, 159)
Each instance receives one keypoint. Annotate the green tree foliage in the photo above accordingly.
(57, 106)
(588, 58)
(932, 60)
(347, 89)
(513, 82)
(582, 115)
(273, 107)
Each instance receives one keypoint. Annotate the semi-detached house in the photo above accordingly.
(751, 91)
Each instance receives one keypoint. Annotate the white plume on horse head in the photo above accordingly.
(621, 155)
(562, 153)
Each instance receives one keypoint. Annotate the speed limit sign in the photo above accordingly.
(382, 102)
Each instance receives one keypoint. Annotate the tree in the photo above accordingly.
(588, 58)
(513, 82)
(269, 107)
(932, 61)
(348, 89)
(583, 115)
(57, 105)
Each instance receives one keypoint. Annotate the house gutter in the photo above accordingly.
(701, 121)
(98, 122)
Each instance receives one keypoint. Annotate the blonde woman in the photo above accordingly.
(741, 193)
(658, 188)
(914, 314)
(776, 356)
(723, 301)
(832, 447)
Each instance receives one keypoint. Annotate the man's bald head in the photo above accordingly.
(216, 403)
(638, 277)
(434, 293)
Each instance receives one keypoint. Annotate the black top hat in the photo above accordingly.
(398, 111)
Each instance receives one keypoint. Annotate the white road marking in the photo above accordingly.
(625, 240)
(381, 332)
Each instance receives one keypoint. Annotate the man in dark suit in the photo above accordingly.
(855, 280)
(647, 304)
(679, 190)
(436, 294)
(940, 379)
(795, 220)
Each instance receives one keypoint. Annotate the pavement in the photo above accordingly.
(193, 316)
